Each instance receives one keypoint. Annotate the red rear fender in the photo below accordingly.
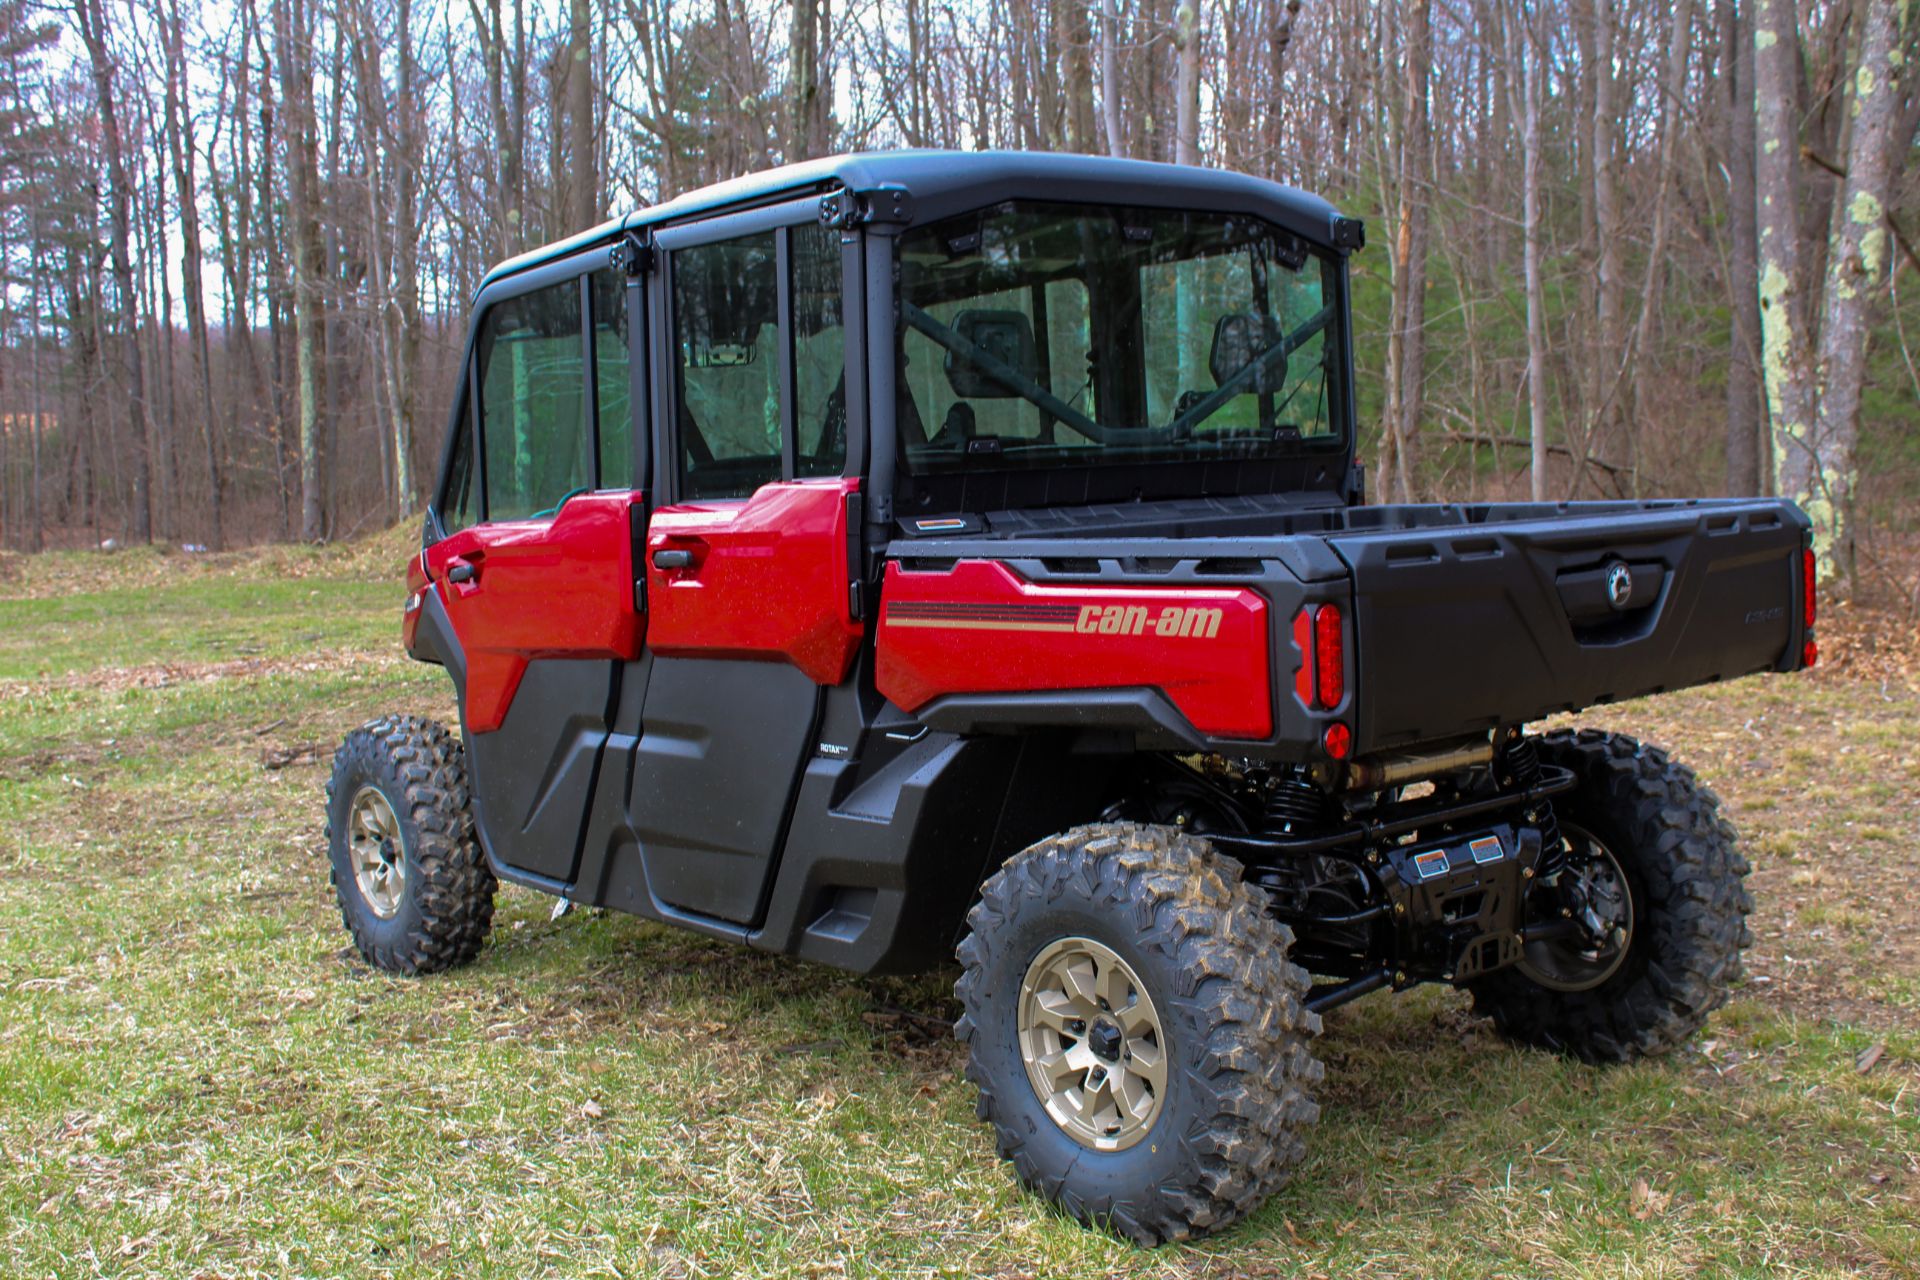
(981, 628)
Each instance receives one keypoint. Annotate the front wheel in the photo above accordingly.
(1138, 1037)
(414, 888)
(1654, 893)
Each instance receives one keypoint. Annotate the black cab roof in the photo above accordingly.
(926, 185)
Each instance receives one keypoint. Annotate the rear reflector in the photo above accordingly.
(1329, 659)
(1303, 641)
(1809, 575)
(1809, 653)
(1338, 740)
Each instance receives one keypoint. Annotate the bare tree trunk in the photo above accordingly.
(1077, 39)
(1522, 55)
(583, 169)
(808, 101)
(1187, 39)
(1744, 400)
(406, 319)
(294, 36)
(1786, 353)
(1278, 41)
(38, 541)
(166, 426)
(1858, 256)
(91, 19)
(180, 140)
(1611, 284)
(1110, 79)
(1410, 248)
(1672, 85)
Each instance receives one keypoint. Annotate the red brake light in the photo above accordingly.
(1328, 656)
(1809, 574)
(1303, 641)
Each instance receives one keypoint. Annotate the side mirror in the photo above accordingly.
(1006, 337)
(1242, 338)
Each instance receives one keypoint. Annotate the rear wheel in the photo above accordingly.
(414, 888)
(1136, 1032)
(1653, 893)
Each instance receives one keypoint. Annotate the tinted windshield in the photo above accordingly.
(1050, 335)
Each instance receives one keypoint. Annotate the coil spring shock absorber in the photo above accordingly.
(1523, 762)
(1295, 806)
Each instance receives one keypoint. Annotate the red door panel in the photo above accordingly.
(981, 628)
(767, 579)
(559, 588)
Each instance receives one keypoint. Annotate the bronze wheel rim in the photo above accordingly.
(378, 853)
(1092, 1044)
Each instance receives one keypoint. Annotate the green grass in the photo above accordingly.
(199, 622)
(198, 1077)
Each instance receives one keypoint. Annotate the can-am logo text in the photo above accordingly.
(1196, 622)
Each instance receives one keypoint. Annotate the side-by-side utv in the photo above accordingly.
(903, 556)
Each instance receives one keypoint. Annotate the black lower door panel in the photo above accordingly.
(533, 777)
(719, 756)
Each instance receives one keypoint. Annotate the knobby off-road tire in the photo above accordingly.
(432, 908)
(1235, 1032)
(1689, 899)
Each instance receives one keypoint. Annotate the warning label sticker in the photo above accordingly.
(1486, 849)
(1431, 863)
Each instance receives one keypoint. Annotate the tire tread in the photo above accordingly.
(448, 876)
(1695, 919)
(1192, 911)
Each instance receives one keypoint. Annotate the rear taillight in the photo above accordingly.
(1321, 680)
(1809, 606)
(1329, 659)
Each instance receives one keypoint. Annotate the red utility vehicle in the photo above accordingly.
(900, 556)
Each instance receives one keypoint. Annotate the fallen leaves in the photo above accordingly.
(1646, 1202)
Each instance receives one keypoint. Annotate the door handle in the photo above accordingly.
(672, 558)
(462, 572)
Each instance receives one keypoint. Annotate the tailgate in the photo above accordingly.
(1476, 626)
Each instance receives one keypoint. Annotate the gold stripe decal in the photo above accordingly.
(953, 624)
(1171, 621)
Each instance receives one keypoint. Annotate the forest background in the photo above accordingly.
(1618, 247)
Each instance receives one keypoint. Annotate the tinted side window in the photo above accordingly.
(533, 403)
(725, 336)
(457, 503)
(819, 353)
(611, 359)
